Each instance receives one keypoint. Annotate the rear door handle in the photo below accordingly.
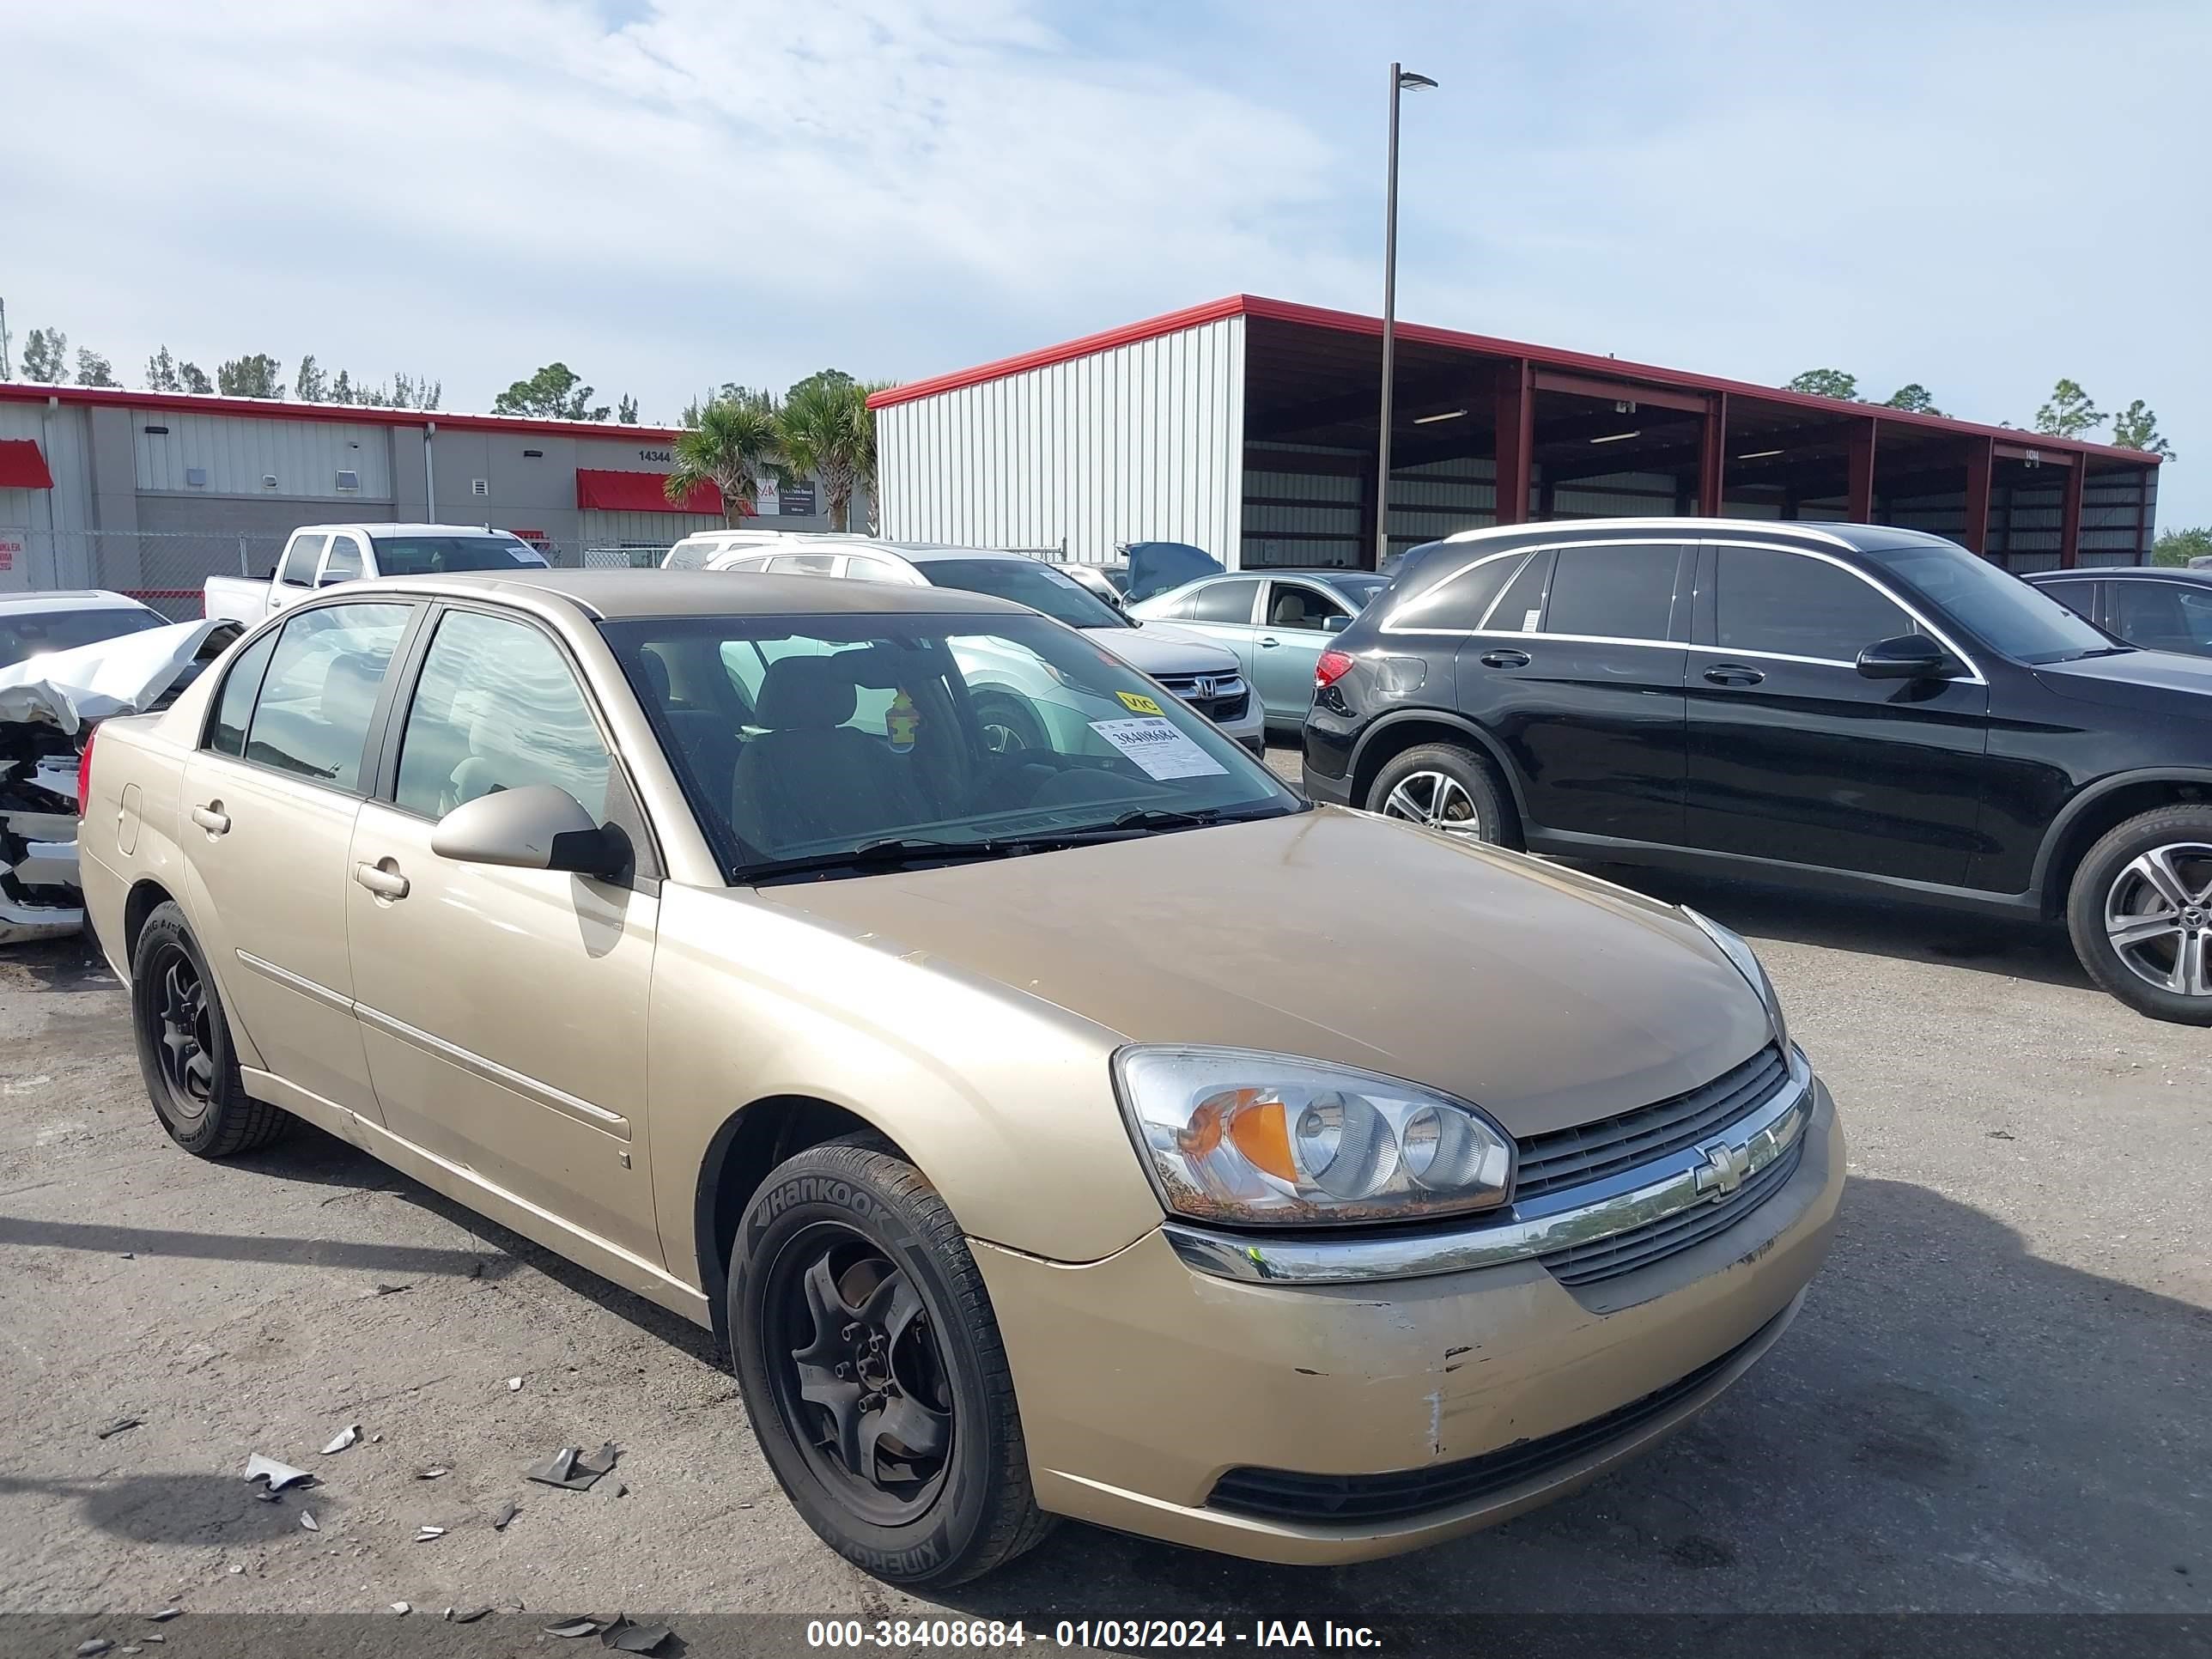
(1267, 641)
(1505, 660)
(385, 884)
(1733, 673)
(212, 818)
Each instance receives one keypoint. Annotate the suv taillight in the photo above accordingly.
(84, 771)
(1332, 666)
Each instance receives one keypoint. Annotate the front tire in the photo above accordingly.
(183, 1045)
(2140, 913)
(872, 1369)
(1446, 787)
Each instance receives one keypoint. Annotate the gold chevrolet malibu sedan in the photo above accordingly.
(1052, 1113)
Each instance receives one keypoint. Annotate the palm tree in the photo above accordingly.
(827, 431)
(734, 443)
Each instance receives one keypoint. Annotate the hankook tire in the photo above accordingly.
(185, 1048)
(872, 1369)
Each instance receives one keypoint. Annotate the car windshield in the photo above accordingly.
(434, 556)
(846, 744)
(2007, 613)
(1359, 589)
(1026, 581)
(34, 634)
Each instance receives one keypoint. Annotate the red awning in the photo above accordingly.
(640, 492)
(23, 467)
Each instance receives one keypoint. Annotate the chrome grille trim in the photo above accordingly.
(1710, 1176)
(1572, 1157)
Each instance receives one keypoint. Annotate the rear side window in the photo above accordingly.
(802, 564)
(234, 709)
(1458, 602)
(1520, 609)
(312, 716)
(1613, 592)
(1795, 606)
(300, 560)
(1225, 602)
(2076, 596)
(344, 563)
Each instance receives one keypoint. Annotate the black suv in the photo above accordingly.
(1849, 707)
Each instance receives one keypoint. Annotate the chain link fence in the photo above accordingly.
(168, 569)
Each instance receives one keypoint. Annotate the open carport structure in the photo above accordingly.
(1249, 427)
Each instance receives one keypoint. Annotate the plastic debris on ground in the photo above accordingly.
(428, 1532)
(624, 1636)
(569, 1469)
(350, 1435)
(307, 1521)
(120, 1425)
(432, 1473)
(572, 1629)
(507, 1512)
(278, 1475)
(402, 1607)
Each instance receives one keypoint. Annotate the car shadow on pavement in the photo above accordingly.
(200, 1509)
(1960, 1447)
(2022, 948)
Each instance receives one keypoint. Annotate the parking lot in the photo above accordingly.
(1994, 1399)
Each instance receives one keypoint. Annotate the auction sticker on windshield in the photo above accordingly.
(1137, 704)
(1158, 746)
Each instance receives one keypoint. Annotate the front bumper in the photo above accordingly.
(1143, 1382)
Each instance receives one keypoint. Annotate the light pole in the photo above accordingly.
(1401, 79)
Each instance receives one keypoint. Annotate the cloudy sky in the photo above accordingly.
(1980, 196)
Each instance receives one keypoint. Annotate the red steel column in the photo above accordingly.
(1712, 457)
(1981, 466)
(2069, 515)
(1863, 435)
(1517, 441)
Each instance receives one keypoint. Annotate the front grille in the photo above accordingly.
(1639, 1247)
(1219, 697)
(1589, 1151)
(1285, 1495)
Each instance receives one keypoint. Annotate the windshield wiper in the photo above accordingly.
(882, 855)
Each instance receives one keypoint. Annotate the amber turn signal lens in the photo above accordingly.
(1260, 1132)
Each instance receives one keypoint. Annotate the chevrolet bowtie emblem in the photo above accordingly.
(1723, 1169)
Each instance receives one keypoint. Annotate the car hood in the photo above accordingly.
(1153, 649)
(2161, 680)
(1548, 997)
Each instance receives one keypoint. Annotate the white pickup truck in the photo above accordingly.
(323, 554)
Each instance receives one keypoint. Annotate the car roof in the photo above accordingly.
(68, 598)
(1316, 572)
(1860, 537)
(612, 595)
(376, 531)
(2124, 573)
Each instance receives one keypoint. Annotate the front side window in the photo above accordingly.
(1227, 601)
(35, 633)
(2079, 597)
(2163, 616)
(1788, 605)
(344, 563)
(300, 559)
(1613, 592)
(496, 707)
(990, 736)
(1294, 604)
(312, 716)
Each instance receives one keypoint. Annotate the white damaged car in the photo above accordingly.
(68, 661)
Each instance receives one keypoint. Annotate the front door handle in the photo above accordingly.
(1732, 673)
(1268, 640)
(1507, 659)
(212, 818)
(385, 884)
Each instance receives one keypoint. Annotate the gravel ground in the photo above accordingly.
(1993, 1402)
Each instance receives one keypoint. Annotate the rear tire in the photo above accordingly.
(856, 1311)
(185, 1048)
(1449, 788)
(1009, 724)
(2139, 911)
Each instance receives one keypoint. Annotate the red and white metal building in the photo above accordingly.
(1249, 427)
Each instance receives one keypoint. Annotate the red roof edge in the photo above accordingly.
(1152, 328)
(1351, 322)
(280, 408)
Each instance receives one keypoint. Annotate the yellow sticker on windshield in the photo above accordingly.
(1137, 703)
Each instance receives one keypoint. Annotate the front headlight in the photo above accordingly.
(1231, 1135)
(1746, 963)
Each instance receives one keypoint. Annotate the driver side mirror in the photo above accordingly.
(536, 827)
(1335, 624)
(1907, 657)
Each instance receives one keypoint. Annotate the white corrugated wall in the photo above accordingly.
(1141, 442)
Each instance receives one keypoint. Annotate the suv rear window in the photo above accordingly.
(1613, 592)
(1457, 601)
